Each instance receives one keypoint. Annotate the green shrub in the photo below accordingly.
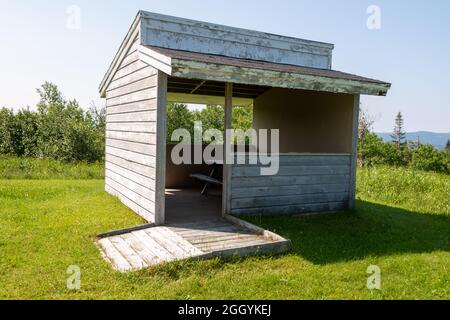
(6, 129)
(59, 130)
(394, 156)
(25, 137)
(212, 117)
(179, 117)
(428, 158)
(374, 151)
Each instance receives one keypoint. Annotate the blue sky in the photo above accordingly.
(411, 50)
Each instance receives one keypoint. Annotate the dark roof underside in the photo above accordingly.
(212, 88)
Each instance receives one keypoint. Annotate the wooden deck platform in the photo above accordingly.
(139, 248)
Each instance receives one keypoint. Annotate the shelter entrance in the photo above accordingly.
(194, 191)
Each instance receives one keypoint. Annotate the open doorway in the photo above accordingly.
(195, 191)
(190, 196)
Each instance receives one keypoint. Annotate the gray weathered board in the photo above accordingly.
(139, 248)
(189, 35)
(304, 183)
(131, 134)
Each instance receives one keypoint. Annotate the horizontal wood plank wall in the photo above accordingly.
(189, 35)
(304, 183)
(131, 101)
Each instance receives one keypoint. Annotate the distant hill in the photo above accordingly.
(439, 140)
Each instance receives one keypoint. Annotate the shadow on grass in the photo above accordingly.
(371, 230)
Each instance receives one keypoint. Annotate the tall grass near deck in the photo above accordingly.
(45, 169)
(411, 189)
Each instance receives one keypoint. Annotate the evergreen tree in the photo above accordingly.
(447, 146)
(398, 136)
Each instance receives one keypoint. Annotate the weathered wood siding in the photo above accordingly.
(184, 34)
(304, 183)
(131, 128)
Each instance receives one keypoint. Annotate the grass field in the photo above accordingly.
(37, 169)
(401, 224)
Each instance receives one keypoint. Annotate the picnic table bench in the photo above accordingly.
(211, 179)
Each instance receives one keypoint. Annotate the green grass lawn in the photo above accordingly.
(401, 224)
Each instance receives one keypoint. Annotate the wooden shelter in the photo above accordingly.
(289, 82)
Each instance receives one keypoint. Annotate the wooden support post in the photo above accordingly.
(161, 136)
(226, 193)
(354, 158)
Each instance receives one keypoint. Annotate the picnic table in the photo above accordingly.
(212, 179)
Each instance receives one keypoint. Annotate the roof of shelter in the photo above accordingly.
(255, 64)
(191, 49)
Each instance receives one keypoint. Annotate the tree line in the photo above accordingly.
(211, 117)
(372, 150)
(60, 129)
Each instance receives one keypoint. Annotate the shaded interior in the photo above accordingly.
(309, 122)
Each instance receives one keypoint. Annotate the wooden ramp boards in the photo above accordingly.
(144, 248)
(159, 244)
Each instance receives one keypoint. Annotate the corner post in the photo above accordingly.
(354, 157)
(160, 164)
(226, 193)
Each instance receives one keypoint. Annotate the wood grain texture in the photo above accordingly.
(354, 158)
(280, 79)
(276, 181)
(138, 197)
(131, 124)
(161, 138)
(140, 248)
(132, 176)
(148, 105)
(154, 246)
(143, 170)
(133, 258)
(132, 156)
(293, 209)
(183, 34)
(141, 127)
(205, 99)
(255, 171)
(142, 148)
(112, 255)
(304, 183)
(227, 168)
(133, 205)
(132, 72)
